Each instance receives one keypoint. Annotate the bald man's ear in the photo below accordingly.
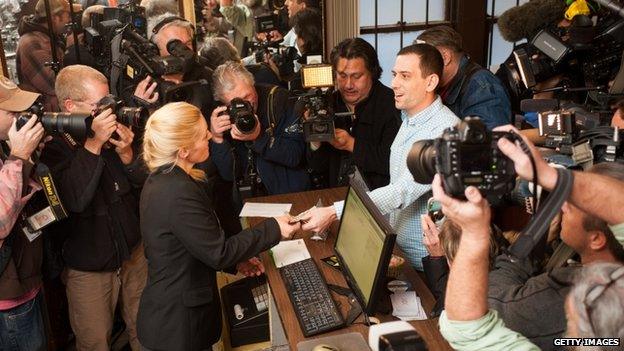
(68, 104)
(432, 83)
(597, 240)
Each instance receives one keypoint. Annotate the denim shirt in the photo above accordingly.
(484, 97)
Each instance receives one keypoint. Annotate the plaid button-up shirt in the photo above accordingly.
(11, 199)
(404, 199)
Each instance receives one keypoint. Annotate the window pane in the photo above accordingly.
(414, 10)
(502, 5)
(389, 45)
(389, 11)
(410, 37)
(367, 13)
(501, 49)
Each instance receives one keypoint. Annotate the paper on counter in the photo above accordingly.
(407, 306)
(289, 251)
(256, 209)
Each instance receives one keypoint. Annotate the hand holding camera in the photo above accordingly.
(25, 140)
(431, 236)
(219, 123)
(547, 176)
(103, 126)
(123, 146)
(146, 91)
(473, 215)
(343, 140)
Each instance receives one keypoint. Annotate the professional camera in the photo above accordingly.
(128, 116)
(585, 54)
(321, 121)
(78, 125)
(464, 155)
(242, 115)
(104, 27)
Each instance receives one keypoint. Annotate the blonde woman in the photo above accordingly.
(184, 244)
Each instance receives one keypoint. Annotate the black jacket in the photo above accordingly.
(436, 271)
(376, 124)
(96, 191)
(184, 245)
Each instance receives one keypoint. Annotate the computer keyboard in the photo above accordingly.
(315, 309)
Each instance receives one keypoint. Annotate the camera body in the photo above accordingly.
(128, 116)
(242, 115)
(78, 125)
(465, 155)
(319, 126)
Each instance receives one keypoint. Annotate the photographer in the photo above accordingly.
(180, 307)
(307, 24)
(365, 143)
(162, 30)
(467, 324)
(95, 179)
(417, 72)
(34, 49)
(218, 51)
(20, 258)
(467, 88)
(270, 155)
(241, 17)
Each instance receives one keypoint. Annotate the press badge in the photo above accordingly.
(40, 219)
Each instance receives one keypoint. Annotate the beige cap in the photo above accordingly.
(14, 99)
(56, 7)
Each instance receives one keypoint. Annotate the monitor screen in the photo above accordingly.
(364, 245)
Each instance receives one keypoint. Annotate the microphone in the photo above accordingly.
(525, 21)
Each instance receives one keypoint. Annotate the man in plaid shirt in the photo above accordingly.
(21, 323)
(417, 73)
(34, 49)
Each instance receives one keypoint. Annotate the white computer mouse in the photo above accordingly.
(325, 347)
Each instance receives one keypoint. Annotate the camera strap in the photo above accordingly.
(271, 114)
(540, 222)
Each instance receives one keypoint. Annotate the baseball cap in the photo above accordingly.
(13, 98)
(56, 7)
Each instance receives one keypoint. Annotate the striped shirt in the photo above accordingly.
(404, 199)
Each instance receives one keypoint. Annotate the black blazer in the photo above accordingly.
(184, 246)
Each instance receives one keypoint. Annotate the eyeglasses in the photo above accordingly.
(597, 291)
(92, 105)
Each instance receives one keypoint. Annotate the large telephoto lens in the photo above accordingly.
(421, 161)
(78, 125)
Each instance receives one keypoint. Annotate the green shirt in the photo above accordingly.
(486, 333)
(618, 232)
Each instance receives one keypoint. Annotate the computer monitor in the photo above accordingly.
(364, 246)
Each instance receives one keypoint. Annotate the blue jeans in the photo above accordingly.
(22, 329)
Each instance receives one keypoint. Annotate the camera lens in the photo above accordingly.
(319, 127)
(132, 116)
(246, 123)
(78, 125)
(421, 161)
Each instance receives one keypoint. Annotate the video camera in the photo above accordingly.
(465, 155)
(321, 122)
(78, 125)
(104, 27)
(587, 54)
